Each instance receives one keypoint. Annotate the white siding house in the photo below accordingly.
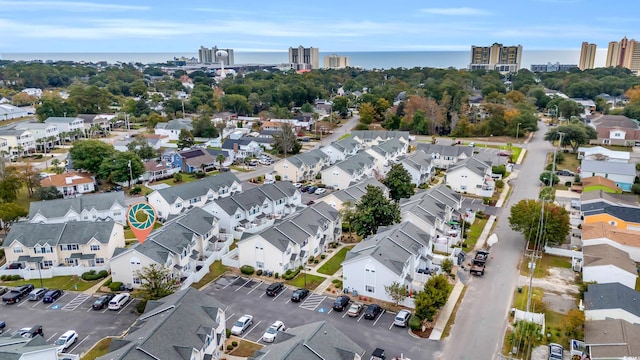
(352, 170)
(94, 207)
(352, 194)
(445, 156)
(471, 176)
(303, 166)
(622, 173)
(341, 149)
(67, 124)
(606, 264)
(611, 301)
(172, 128)
(420, 167)
(603, 233)
(386, 154)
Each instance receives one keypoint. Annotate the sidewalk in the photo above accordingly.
(94, 289)
(446, 311)
(338, 274)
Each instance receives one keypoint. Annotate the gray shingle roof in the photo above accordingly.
(61, 120)
(603, 255)
(76, 232)
(418, 160)
(392, 246)
(612, 296)
(445, 150)
(356, 163)
(475, 165)
(355, 192)
(388, 147)
(594, 166)
(347, 144)
(60, 207)
(310, 158)
(379, 134)
(13, 346)
(176, 124)
(626, 213)
(170, 328)
(256, 197)
(318, 340)
(198, 188)
(612, 339)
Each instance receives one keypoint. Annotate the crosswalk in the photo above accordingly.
(312, 302)
(77, 301)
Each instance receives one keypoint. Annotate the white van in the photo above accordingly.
(118, 302)
(66, 340)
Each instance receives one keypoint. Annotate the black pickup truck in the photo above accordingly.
(478, 262)
(17, 293)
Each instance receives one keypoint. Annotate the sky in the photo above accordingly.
(40, 26)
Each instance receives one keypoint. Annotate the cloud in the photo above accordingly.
(461, 11)
(71, 6)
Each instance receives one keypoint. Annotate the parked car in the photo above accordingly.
(299, 294)
(355, 309)
(304, 188)
(565, 172)
(271, 333)
(312, 189)
(320, 191)
(556, 351)
(341, 303)
(275, 288)
(66, 340)
(31, 332)
(119, 301)
(372, 311)
(17, 293)
(37, 294)
(2, 326)
(310, 202)
(378, 354)
(297, 185)
(264, 161)
(52, 295)
(224, 169)
(267, 182)
(242, 324)
(15, 266)
(402, 318)
(504, 153)
(102, 302)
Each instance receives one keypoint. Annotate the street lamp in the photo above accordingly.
(518, 131)
(556, 113)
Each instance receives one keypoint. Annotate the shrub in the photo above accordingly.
(567, 183)
(15, 277)
(140, 307)
(200, 174)
(136, 190)
(107, 283)
(92, 275)
(115, 286)
(635, 188)
(229, 347)
(499, 170)
(177, 177)
(323, 256)
(228, 331)
(288, 275)
(415, 323)
(318, 176)
(247, 269)
(315, 261)
(259, 272)
(3, 277)
(311, 259)
(499, 184)
(278, 177)
(276, 275)
(234, 343)
(361, 126)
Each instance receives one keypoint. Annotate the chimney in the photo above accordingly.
(235, 148)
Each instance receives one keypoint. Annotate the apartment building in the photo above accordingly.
(336, 62)
(587, 56)
(302, 58)
(624, 53)
(505, 59)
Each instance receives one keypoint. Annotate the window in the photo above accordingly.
(99, 261)
(85, 217)
(134, 261)
(238, 216)
(69, 247)
(194, 200)
(178, 205)
(94, 247)
(85, 187)
(265, 206)
(117, 212)
(260, 264)
(43, 250)
(136, 280)
(47, 263)
(369, 288)
(209, 196)
(463, 187)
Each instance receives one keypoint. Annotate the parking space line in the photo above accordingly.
(361, 316)
(379, 317)
(56, 300)
(77, 344)
(345, 314)
(52, 336)
(241, 286)
(125, 306)
(330, 310)
(250, 330)
(36, 304)
(231, 282)
(230, 316)
(22, 302)
(280, 293)
(255, 287)
(76, 302)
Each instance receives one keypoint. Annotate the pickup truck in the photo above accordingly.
(17, 293)
(478, 262)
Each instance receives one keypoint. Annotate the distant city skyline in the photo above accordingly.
(251, 25)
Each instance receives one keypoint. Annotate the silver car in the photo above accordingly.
(402, 318)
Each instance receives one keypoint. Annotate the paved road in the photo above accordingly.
(481, 319)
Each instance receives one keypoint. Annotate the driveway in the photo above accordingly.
(71, 311)
(247, 296)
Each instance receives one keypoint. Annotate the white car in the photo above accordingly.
(66, 340)
(320, 191)
(297, 185)
(264, 161)
(270, 335)
(267, 182)
(242, 324)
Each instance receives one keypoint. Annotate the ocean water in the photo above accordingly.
(365, 59)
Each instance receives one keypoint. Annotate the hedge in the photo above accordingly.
(115, 286)
(140, 307)
(247, 269)
(415, 323)
(289, 274)
(92, 275)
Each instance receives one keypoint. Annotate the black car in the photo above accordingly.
(275, 288)
(304, 188)
(14, 266)
(102, 302)
(565, 173)
(52, 295)
(372, 311)
(299, 294)
(341, 303)
(17, 293)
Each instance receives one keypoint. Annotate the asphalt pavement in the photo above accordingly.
(481, 319)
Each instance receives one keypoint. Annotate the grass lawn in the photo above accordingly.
(245, 348)
(570, 162)
(332, 265)
(553, 321)
(542, 266)
(638, 283)
(58, 282)
(520, 298)
(186, 178)
(344, 136)
(101, 348)
(473, 233)
(128, 234)
(216, 269)
(312, 281)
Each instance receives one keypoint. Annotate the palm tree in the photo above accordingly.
(39, 143)
(220, 158)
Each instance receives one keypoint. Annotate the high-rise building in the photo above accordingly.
(587, 56)
(210, 56)
(505, 59)
(549, 67)
(625, 53)
(336, 62)
(302, 58)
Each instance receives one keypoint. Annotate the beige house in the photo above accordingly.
(302, 166)
(76, 243)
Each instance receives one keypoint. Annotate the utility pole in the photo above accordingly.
(518, 131)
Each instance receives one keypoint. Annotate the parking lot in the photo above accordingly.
(91, 325)
(247, 296)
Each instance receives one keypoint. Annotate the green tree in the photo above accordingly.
(10, 213)
(397, 292)
(548, 177)
(220, 158)
(525, 334)
(10, 183)
(185, 139)
(236, 103)
(547, 193)
(48, 193)
(374, 210)
(574, 135)
(367, 113)
(307, 108)
(141, 147)
(286, 141)
(447, 265)
(204, 127)
(121, 167)
(573, 324)
(56, 168)
(433, 297)
(89, 154)
(157, 281)
(52, 106)
(399, 182)
(341, 106)
(525, 218)
(89, 99)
